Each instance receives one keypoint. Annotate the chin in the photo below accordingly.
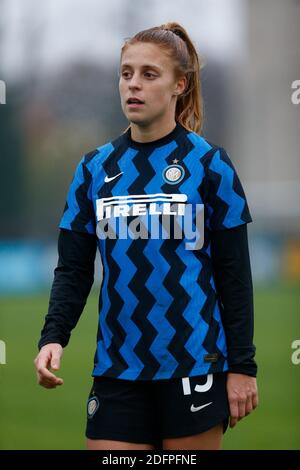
(135, 120)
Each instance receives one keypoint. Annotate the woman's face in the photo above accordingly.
(147, 73)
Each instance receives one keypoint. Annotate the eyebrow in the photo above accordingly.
(148, 66)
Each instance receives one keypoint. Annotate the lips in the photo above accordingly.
(134, 100)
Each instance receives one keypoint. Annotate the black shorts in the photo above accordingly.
(147, 411)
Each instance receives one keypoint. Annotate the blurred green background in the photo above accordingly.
(35, 418)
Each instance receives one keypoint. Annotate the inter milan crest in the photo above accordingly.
(92, 406)
(173, 174)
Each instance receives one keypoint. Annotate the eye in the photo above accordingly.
(125, 74)
(149, 74)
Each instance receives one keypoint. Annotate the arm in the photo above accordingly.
(73, 279)
(232, 273)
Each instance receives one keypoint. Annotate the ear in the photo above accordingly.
(180, 86)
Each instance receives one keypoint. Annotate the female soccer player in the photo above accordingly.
(175, 354)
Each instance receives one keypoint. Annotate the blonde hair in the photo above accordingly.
(174, 39)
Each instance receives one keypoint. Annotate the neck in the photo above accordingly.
(154, 131)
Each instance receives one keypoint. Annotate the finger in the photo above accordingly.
(249, 406)
(254, 400)
(57, 381)
(242, 408)
(41, 361)
(44, 382)
(234, 412)
(55, 361)
(232, 422)
(46, 375)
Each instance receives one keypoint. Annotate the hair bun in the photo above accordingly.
(173, 30)
(178, 32)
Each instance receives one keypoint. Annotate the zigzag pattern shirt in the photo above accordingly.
(159, 309)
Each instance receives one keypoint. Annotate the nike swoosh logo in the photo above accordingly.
(197, 408)
(107, 179)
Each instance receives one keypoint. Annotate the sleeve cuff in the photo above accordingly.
(246, 369)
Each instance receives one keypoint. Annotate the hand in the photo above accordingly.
(242, 396)
(49, 356)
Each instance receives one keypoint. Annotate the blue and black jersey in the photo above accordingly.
(161, 313)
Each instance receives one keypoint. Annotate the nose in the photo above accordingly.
(134, 82)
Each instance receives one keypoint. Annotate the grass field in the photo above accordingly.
(35, 418)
